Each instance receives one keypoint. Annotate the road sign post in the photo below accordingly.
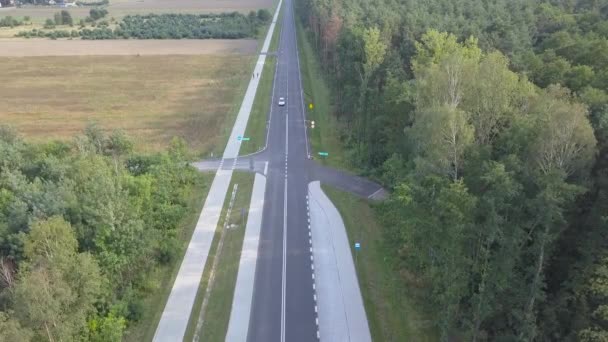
(323, 154)
(357, 249)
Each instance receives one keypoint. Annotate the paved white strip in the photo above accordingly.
(341, 311)
(238, 327)
(174, 320)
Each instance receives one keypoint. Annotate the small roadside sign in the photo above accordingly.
(311, 106)
(239, 138)
(245, 139)
(324, 154)
(357, 246)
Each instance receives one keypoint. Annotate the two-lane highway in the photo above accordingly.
(283, 306)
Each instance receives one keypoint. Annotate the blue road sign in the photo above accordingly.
(239, 138)
(357, 246)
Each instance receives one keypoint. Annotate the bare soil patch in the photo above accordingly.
(18, 47)
(152, 98)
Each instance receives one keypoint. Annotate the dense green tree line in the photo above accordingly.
(488, 119)
(169, 26)
(82, 225)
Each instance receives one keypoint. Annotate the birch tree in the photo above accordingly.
(442, 135)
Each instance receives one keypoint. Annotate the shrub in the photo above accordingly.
(264, 15)
(9, 22)
(49, 24)
(96, 13)
(66, 17)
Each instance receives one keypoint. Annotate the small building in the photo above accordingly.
(7, 3)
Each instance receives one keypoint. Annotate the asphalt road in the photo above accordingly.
(283, 305)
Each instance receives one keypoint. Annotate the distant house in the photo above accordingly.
(63, 3)
(7, 3)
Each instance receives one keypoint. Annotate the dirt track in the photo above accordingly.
(43, 47)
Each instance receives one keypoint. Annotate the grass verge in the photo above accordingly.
(218, 309)
(162, 279)
(323, 137)
(392, 309)
(256, 126)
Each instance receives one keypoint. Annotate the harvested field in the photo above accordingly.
(152, 98)
(18, 47)
(202, 5)
(120, 8)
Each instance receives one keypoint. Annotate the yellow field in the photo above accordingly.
(23, 47)
(152, 98)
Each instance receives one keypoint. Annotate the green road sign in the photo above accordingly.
(324, 154)
(245, 139)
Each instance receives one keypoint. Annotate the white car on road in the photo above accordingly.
(281, 101)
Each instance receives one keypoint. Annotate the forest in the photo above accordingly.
(83, 225)
(488, 120)
(163, 26)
